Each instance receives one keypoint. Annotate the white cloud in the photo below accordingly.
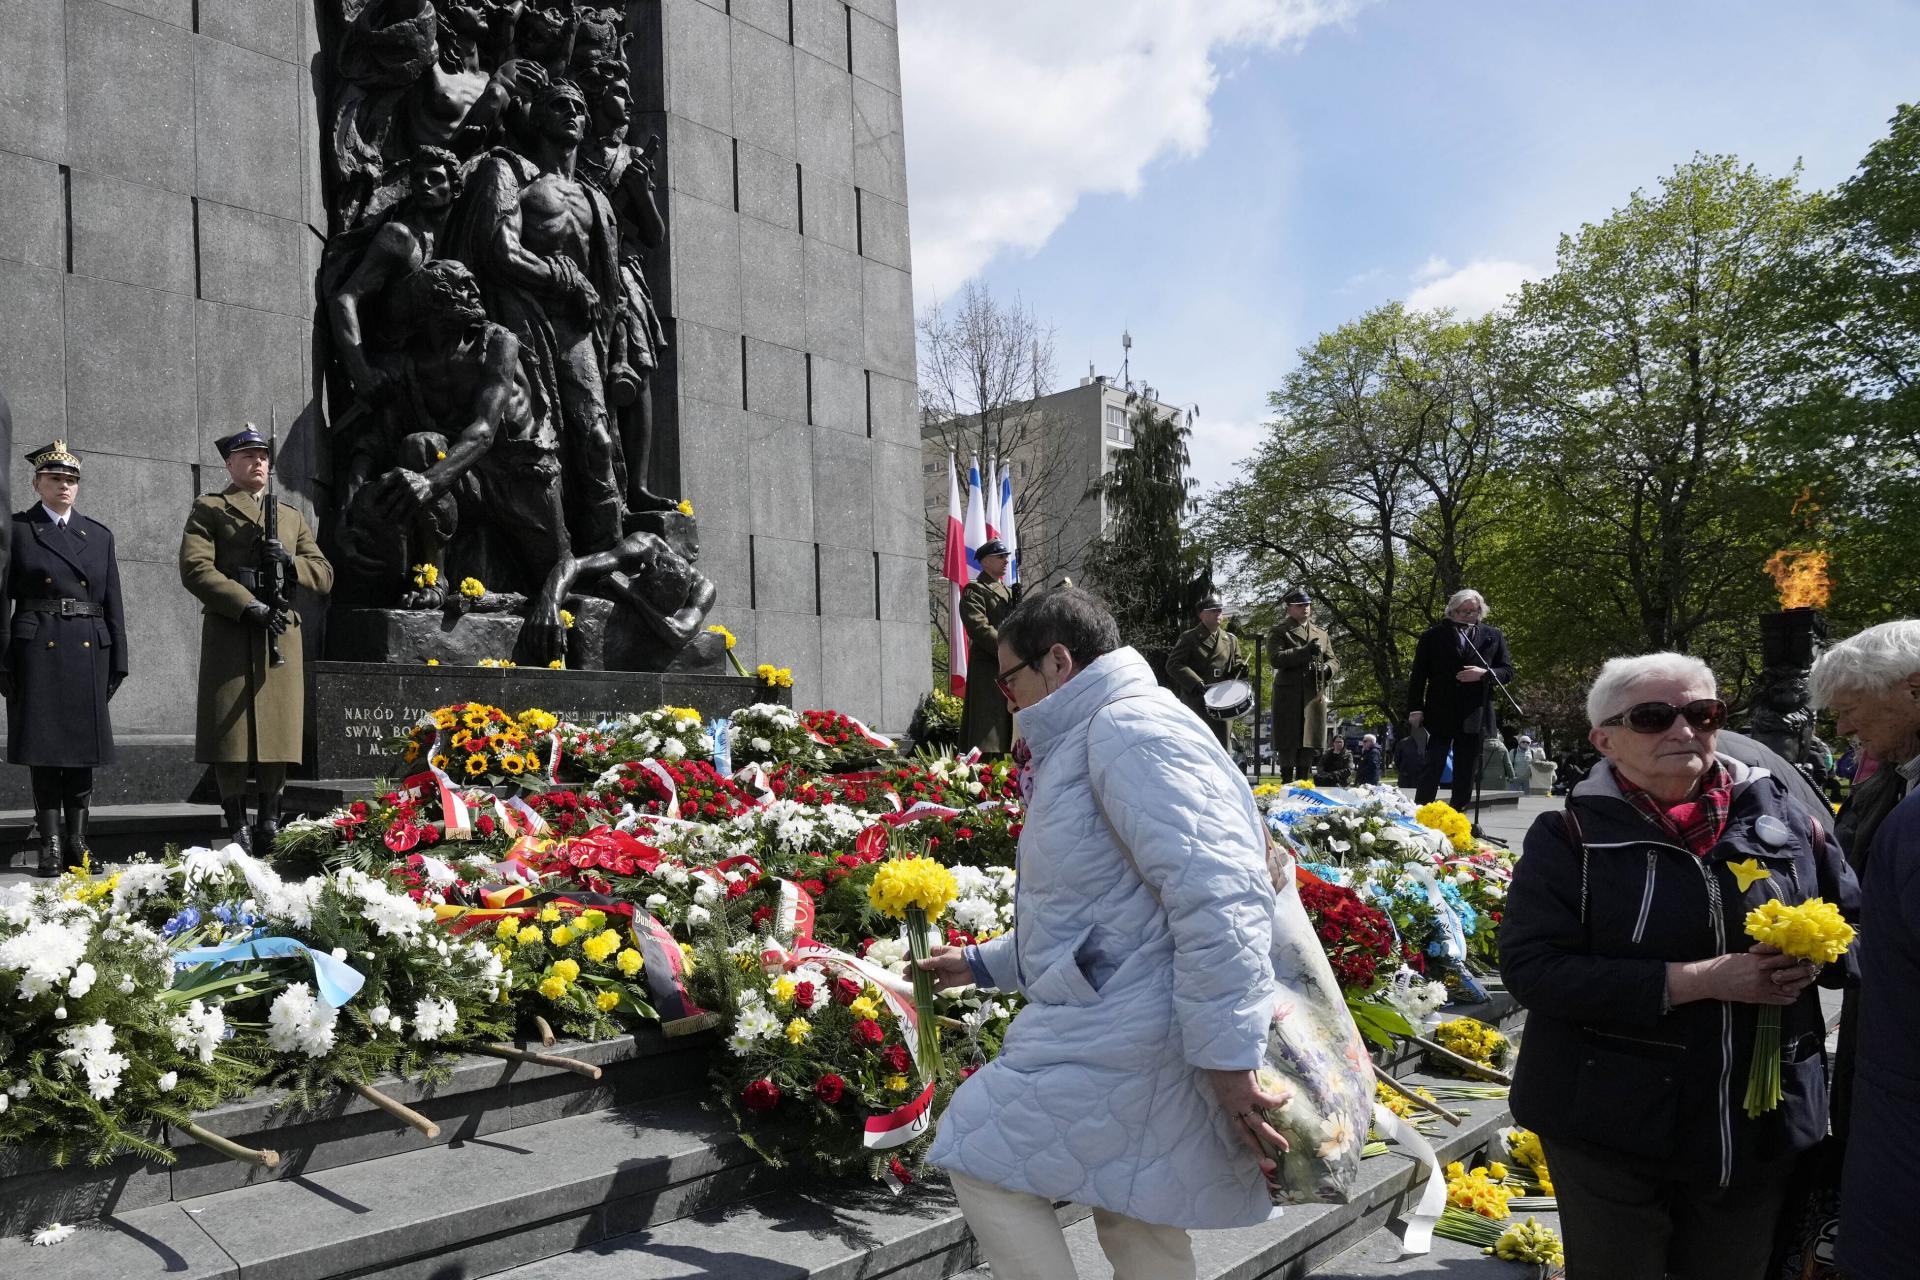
(1472, 290)
(1219, 450)
(1016, 109)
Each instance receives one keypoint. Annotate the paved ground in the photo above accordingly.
(1379, 1255)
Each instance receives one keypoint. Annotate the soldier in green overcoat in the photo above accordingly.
(1303, 667)
(984, 604)
(1203, 656)
(250, 712)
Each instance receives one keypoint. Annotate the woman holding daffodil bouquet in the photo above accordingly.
(1144, 945)
(1627, 939)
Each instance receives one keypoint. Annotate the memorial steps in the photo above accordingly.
(539, 1173)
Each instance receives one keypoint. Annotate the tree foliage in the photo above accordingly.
(1151, 571)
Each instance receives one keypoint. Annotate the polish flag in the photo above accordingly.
(992, 491)
(954, 569)
(1007, 534)
(976, 523)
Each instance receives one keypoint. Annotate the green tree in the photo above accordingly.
(1645, 367)
(1147, 565)
(1368, 488)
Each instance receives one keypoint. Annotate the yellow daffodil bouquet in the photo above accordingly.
(582, 966)
(918, 892)
(1813, 931)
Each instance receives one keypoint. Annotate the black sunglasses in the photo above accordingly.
(1006, 690)
(1703, 714)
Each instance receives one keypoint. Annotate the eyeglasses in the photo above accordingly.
(1006, 690)
(1704, 714)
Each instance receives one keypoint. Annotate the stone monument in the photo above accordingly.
(207, 212)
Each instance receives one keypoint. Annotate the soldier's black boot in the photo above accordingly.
(266, 825)
(52, 856)
(235, 812)
(76, 849)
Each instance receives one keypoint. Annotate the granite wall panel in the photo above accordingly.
(33, 350)
(823, 116)
(843, 490)
(850, 669)
(899, 502)
(256, 260)
(820, 28)
(769, 187)
(272, 29)
(33, 92)
(879, 141)
(705, 243)
(783, 576)
(887, 295)
(699, 161)
(772, 301)
(883, 231)
(834, 293)
(163, 645)
(903, 587)
(762, 90)
(827, 211)
(876, 51)
(780, 478)
(249, 362)
(133, 233)
(33, 220)
(177, 12)
(713, 448)
(130, 96)
(776, 381)
(792, 640)
(245, 110)
(895, 408)
(130, 370)
(839, 396)
(768, 16)
(846, 582)
(708, 363)
(143, 501)
(906, 670)
(883, 11)
(699, 70)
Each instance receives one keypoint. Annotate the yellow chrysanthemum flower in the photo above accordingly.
(549, 914)
(592, 920)
(912, 882)
(425, 575)
(472, 588)
(783, 989)
(529, 935)
(433, 662)
(629, 961)
(562, 936)
(566, 970)
(601, 946)
(798, 1030)
(553, 988)
(534, 720)
(508, 929)
(607, 1001)
(724, 634)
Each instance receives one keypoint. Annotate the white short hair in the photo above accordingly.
(1612, 690)
(1461, 597)
(1365, 738)
(1873, 661)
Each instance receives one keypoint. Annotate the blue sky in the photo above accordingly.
(1265, 169)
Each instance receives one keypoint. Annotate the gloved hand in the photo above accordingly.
(258, 614)
(278, 550)
(6, 684)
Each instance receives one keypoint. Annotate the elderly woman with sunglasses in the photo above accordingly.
(1624, 937)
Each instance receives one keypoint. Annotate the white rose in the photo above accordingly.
(655, 901)
(60, 1014)
(380, 1013)
(698, 915)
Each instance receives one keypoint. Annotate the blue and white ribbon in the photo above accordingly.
(334, 981)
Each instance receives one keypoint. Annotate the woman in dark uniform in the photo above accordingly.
(66, 655)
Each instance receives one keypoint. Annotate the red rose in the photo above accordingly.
(897, 1058)
(484, 824)
(868, 1033)
(829, 1089)
(803, 995)
(761, 1095)
(813, 887)
(761, 915)
(845, 991)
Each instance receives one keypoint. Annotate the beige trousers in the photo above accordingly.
(1022, 1240)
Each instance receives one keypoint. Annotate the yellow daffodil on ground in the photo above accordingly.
(425, 575)
(628, 962)
(607, 1001)
(1749, 873)
(798, 1030)
(1529, 1242)
(556, 665)
(433, 662)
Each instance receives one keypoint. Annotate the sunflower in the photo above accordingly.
(463, 737)
(476, 764)
(411, 754)
(513, 764)
(444, 718)
(438, 760)
(476, 717)
(502, 742)
(533, 760)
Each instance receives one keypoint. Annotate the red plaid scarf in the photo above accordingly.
(1696, 823)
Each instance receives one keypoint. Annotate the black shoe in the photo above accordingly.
(235, 812)
(76, 833)
(52, 854)
(266, 827)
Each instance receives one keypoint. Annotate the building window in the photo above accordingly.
(1117, 429)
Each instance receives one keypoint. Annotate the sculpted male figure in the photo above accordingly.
(545, 249)
(625, 174)
(478, 461)
(650, 574)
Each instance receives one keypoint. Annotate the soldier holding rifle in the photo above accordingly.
(241, 554)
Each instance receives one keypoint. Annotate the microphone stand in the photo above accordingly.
(1479, 771)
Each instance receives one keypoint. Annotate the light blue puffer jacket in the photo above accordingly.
(1097, 1095)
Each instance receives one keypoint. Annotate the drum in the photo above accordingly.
(1228, 700)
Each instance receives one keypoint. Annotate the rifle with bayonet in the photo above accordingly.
(273, 589)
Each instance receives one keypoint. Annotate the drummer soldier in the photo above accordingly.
(1204, 656)
(251, 712)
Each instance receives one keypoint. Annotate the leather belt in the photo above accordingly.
(248, 578)
(64, 608)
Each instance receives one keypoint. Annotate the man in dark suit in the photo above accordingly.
(1455, 666)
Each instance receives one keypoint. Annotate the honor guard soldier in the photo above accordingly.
(1204, 656)
(66, 654)
(987, 721)
(241, 554)
(1303, 668)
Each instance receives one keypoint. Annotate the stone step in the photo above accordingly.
(148, 768)
(475, 1206)
(1306, 1237)
(485, 1097)
(117, 831)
